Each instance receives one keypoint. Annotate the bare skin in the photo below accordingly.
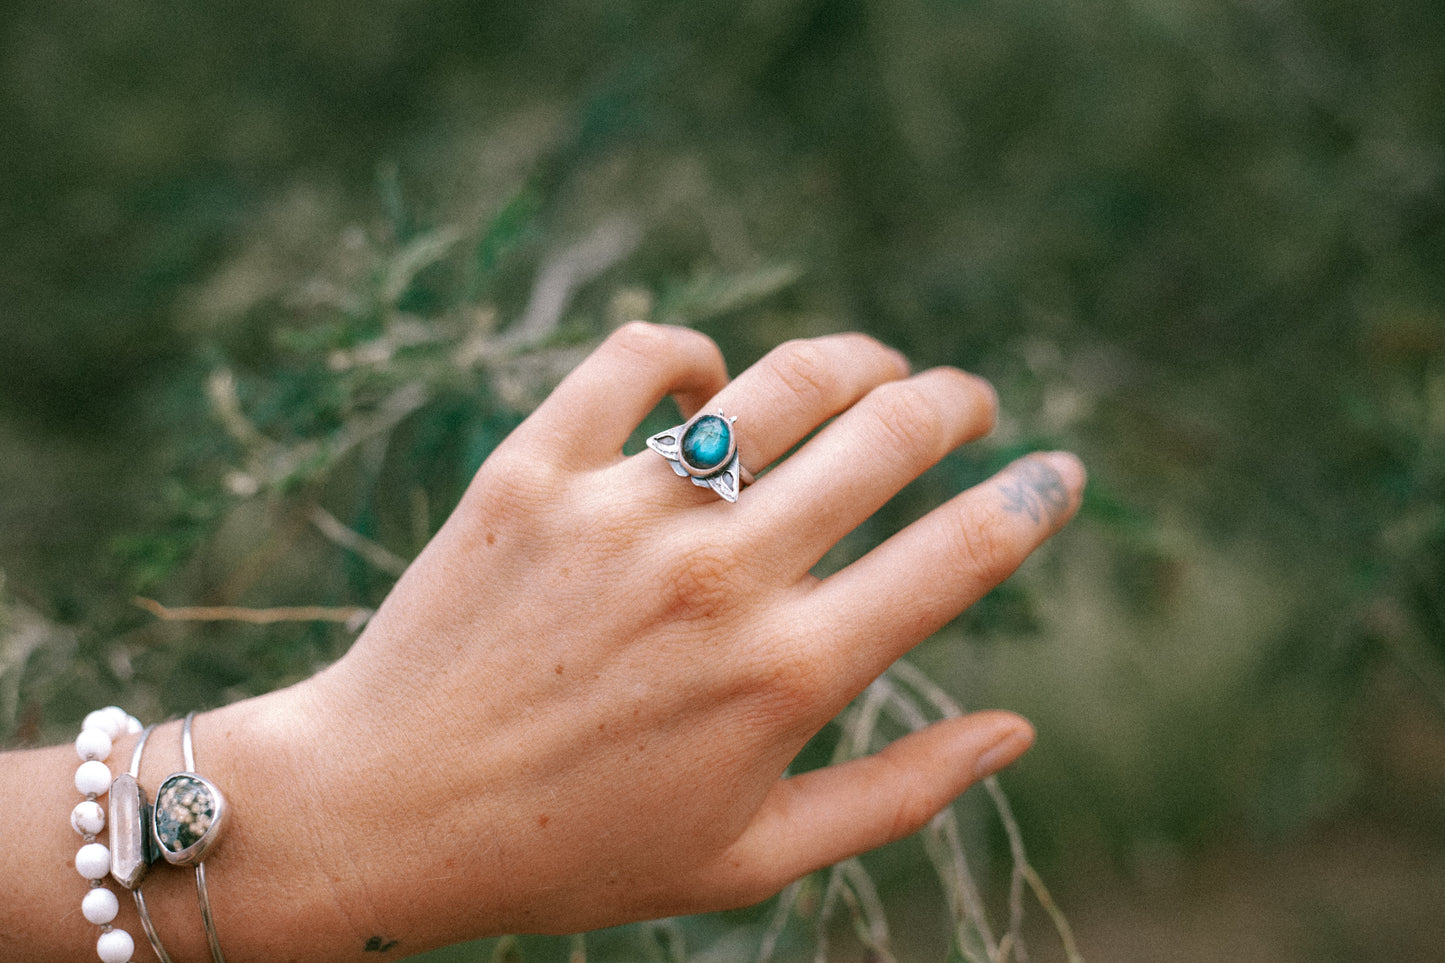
(576, 707)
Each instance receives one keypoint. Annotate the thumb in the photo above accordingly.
(821, 817)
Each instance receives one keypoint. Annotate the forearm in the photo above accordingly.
(272, 892)
(576, 707)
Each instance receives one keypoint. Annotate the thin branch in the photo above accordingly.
(1014, 939)
(831, 896)
(563, 273)
(1066, 933)
(378, 555)
(226, 403)
(353, 617)
(420, 253)
(861, 722)
(873, 920)
(787, 900)
(926, 687)
(668, 938)
(945, 848)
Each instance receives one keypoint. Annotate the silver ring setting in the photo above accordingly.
(704, 449)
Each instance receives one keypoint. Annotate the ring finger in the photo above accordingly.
(795, 388)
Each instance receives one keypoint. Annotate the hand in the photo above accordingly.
(576, 707)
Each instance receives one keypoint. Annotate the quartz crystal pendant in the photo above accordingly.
(704, 449)
(130, 856)
(188, 817)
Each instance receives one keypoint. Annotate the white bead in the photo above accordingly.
(92, 778)
(115, 946)
(92, 744)
(117, 719)
(93, 861)
(88, 818)
(132, 725)
(100, 906)
(111, 719)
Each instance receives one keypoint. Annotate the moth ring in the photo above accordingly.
(704, 449)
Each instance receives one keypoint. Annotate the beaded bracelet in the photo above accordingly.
(100, 906)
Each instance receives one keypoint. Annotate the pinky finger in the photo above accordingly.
(821, 817)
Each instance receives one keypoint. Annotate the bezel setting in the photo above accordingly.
(192, 853)
(724, 477)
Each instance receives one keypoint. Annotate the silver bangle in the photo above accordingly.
(186, 823)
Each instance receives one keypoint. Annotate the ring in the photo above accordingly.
(704, 449)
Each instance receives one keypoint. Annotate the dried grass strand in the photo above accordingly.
(376, 555)
(351, 616)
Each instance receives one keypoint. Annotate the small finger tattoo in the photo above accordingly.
(1035, 490)
(377, 945)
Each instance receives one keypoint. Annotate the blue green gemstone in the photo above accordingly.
(184, 811)
(706, 443)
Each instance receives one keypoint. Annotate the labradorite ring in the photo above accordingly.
(704, 449)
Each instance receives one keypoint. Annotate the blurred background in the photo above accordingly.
(277, 276)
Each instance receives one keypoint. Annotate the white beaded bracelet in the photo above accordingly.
(100, 906)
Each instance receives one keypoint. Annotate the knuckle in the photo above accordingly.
(909, 416)
(804, 368)
(509, 489)
(982, 544)
(648, 341)
(911, 798)
(794, 684)
(639, 336)
(911, 812)
(704, 582)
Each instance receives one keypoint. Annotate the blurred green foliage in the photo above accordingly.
(273, 259)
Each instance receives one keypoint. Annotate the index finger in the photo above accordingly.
(591, 414)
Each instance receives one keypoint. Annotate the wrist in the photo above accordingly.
(271, 895)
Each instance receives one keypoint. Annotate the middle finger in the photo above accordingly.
(865, 457)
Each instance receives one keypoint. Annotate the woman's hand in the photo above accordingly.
(577, 706)
(585, 692)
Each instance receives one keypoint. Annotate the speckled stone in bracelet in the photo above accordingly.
(187, 818)
(187, 821)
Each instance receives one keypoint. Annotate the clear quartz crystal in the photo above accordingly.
(127, 834)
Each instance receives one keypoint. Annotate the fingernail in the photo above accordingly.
(1012, 741)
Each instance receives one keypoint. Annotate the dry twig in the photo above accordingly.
(353, 617)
